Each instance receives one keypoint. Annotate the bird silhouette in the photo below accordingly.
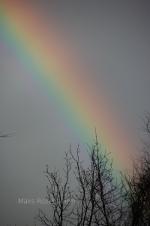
(5, 135)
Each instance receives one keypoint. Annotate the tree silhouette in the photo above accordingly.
(98, 196)
(96, 200)
(59, 196)
(138, 187)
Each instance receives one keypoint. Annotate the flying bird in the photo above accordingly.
(5, 135)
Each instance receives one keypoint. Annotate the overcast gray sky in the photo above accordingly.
(113, 38)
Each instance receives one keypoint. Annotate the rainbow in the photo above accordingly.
(46, 55)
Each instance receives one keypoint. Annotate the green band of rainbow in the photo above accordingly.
(47, 57)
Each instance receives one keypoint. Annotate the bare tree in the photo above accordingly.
(59, 196)
(96, 200)
(138, 187)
